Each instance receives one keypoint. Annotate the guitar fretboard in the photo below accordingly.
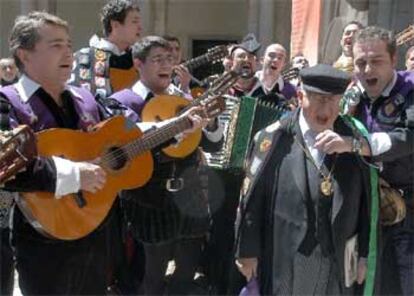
(156, 137)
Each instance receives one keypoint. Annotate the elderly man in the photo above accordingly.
(303, 208)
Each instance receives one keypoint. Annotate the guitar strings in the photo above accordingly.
(138, 146)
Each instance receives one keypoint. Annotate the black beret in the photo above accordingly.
(324, 79)
(249, 44)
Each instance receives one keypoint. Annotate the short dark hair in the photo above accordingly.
(116, 10)
(171, 38)
(141, 49)
(358, 24)
(25, 32)
(377, 33)
(409, 51)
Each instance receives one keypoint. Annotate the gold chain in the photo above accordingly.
(326, 184)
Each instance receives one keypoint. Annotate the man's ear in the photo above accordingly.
(114, 25)
(23, 55)
(137, 63)
(299, 96)
(261, 60)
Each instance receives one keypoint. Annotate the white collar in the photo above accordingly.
(279, 81)
(142, 90)
(304, 127)
(26, 87)
(309, 136)
(387, 90)
(105, 44)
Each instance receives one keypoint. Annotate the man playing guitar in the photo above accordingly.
(170, 215)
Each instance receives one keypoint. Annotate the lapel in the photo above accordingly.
(341, 173)
(297, 161)
(338, 198)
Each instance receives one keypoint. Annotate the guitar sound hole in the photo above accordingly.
(180, 109)
(117, 158)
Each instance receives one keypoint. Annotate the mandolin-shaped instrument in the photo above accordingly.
(164, 107)
(122, 150)
(405, 35)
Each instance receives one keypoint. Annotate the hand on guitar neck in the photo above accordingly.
(93, 177)
(203, 116)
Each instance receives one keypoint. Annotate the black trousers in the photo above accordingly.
(6, 263)
(223, 193)
(51, 267)
(186, 254)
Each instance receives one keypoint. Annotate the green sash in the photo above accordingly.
(372, 254)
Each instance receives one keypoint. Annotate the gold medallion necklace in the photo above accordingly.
(326, 186)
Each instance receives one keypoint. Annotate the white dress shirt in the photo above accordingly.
(309, 137)
(67, 172)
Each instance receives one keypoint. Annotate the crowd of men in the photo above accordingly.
(305, 215)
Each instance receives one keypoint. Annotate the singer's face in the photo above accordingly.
(156, 70)
(245, 61)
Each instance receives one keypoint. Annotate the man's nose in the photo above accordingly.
(368, 68)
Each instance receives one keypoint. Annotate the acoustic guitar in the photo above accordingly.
(165, 106)
(17, 150)
(123, 152)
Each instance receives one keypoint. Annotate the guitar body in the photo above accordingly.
(121, 79)
(62, 218)
(165, 107)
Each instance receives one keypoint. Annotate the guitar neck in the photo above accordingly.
(196, 62)
(156, 137)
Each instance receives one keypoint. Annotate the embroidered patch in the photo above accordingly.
(99, 68)
(389, 109)
(255, 165)
(85, 74)
(100, 55)
(84, 60)
(265, 145)
(100, 82)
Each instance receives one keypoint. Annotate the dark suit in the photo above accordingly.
(275, 220)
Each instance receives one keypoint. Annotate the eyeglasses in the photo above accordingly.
(160, 60)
